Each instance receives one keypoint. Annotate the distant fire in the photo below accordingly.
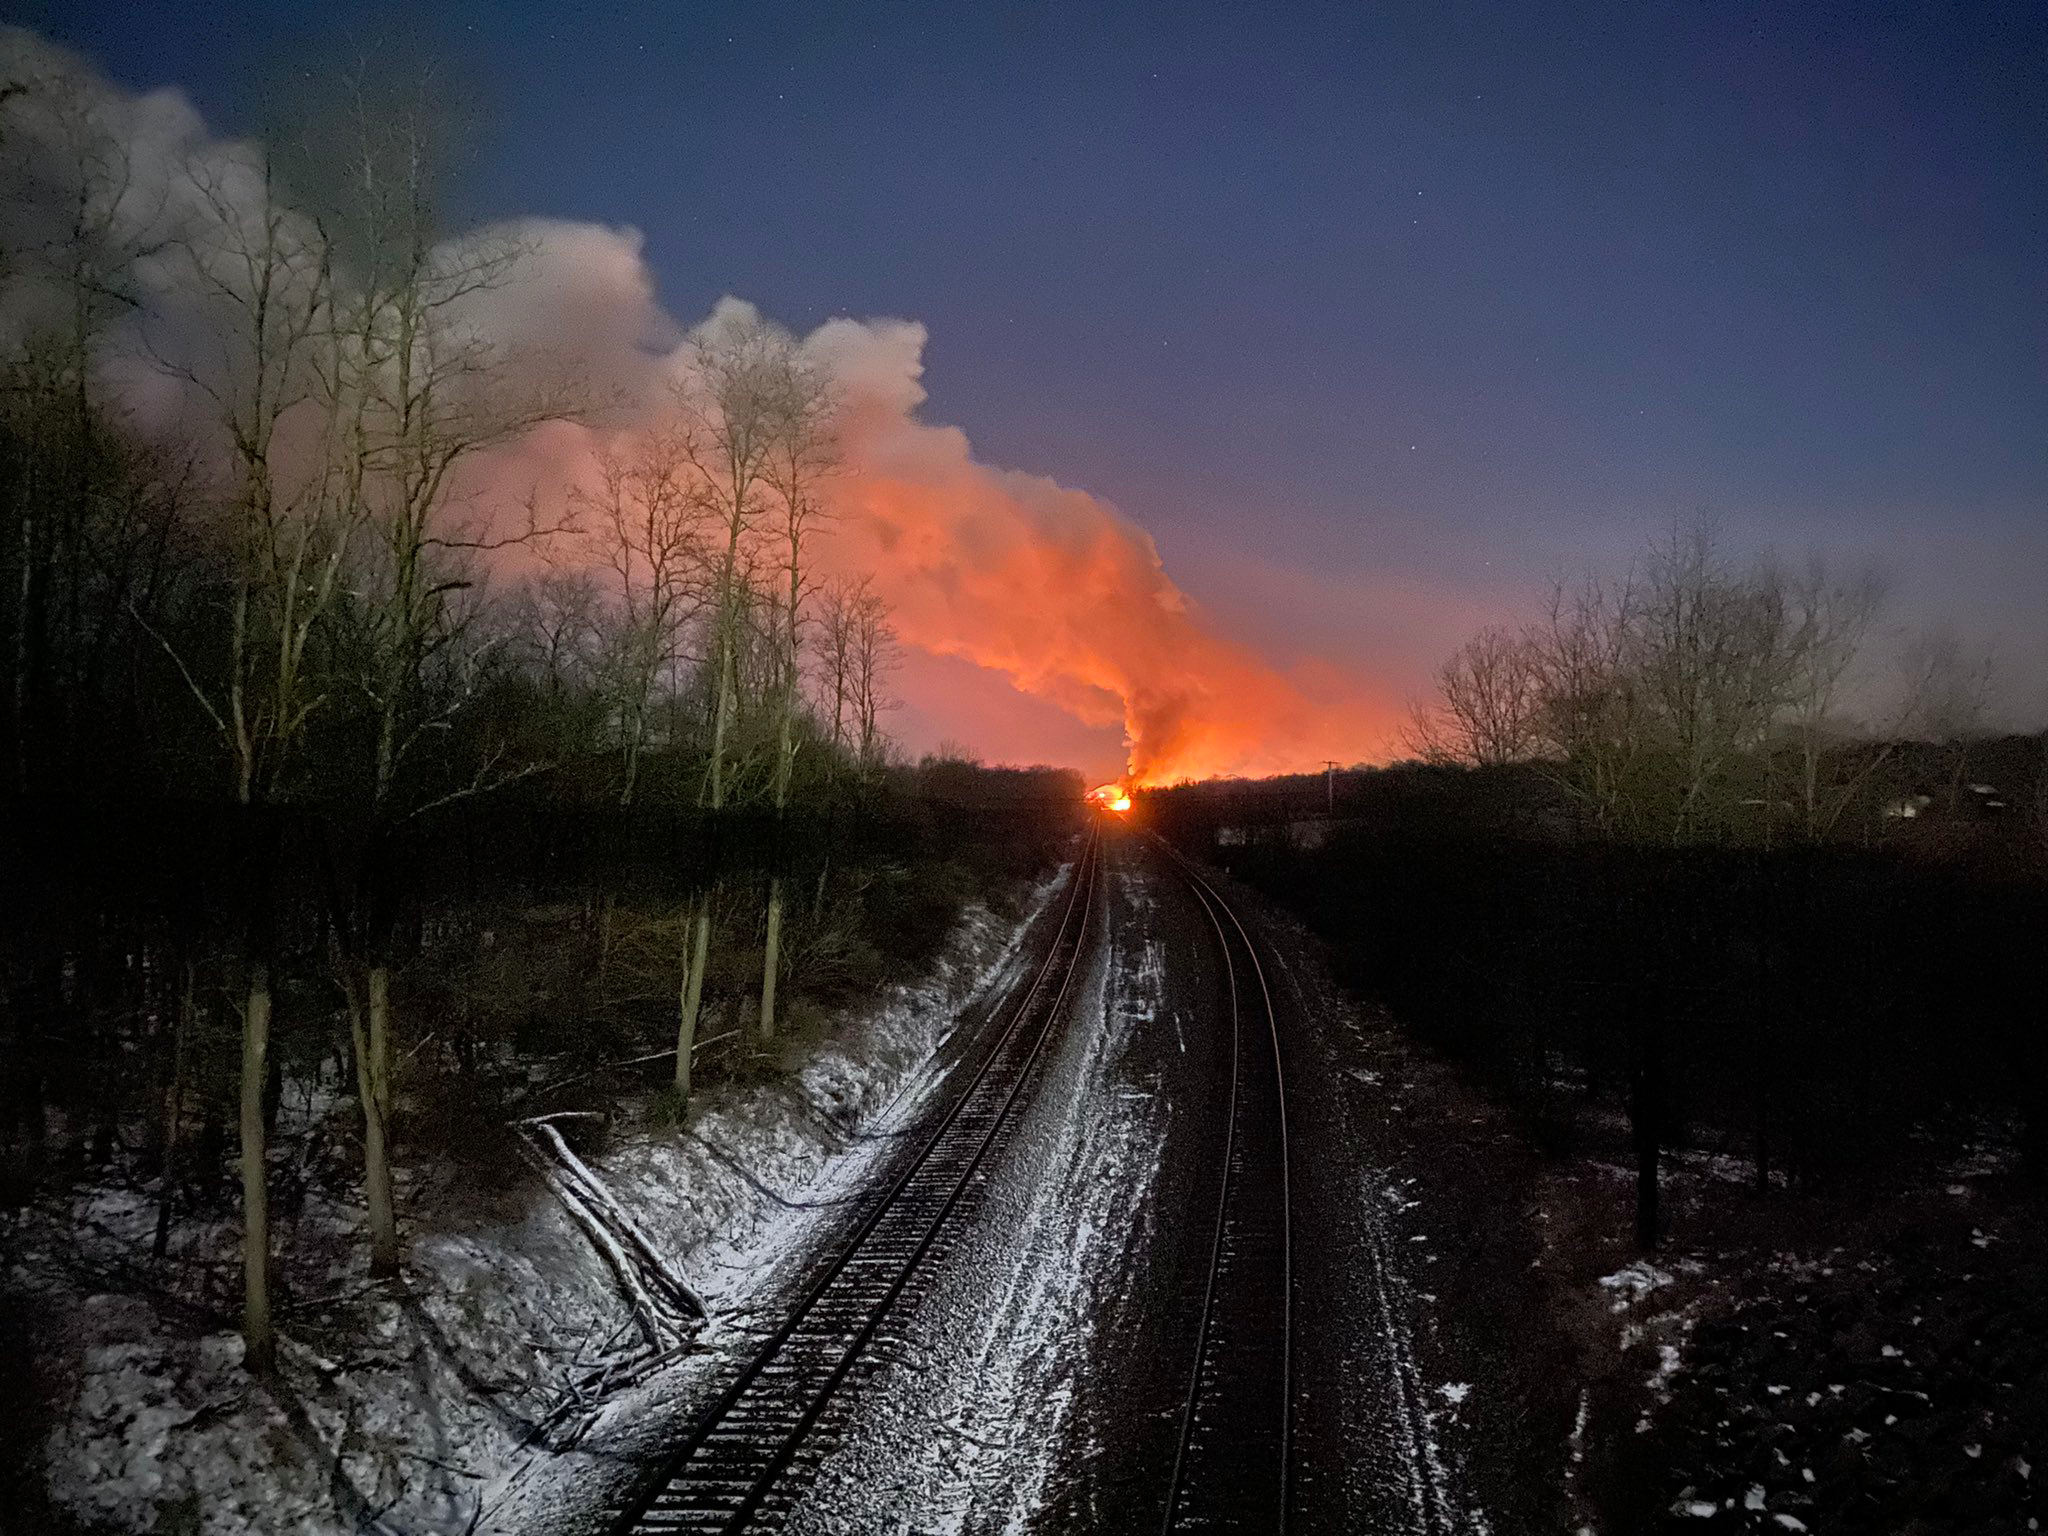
(1111, 797)
(1051, 588)
(1045, 585)
(1063, 594)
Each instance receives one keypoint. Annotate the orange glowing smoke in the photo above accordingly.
(1050, 587)
(1061, 593)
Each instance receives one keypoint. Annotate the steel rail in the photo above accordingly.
(642, 1513)
(1213, 904)
(1194, 1393)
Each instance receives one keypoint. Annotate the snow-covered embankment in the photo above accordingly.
(485, 1391)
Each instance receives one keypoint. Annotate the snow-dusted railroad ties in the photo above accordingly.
(746, 1462)
(1231, 1470)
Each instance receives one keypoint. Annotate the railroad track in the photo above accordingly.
(748, 1459)
(1232, 1465)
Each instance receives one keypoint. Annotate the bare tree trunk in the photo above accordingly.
(24, 643)
(785, 756)
(771, 957)
(606, 911)
(785, 750)
(174, 1108)
(1764, 1058)
(259, 1341)
(1646, 1107)
(369, 1017)
(634, 728)
(700, 939)
(692, 996)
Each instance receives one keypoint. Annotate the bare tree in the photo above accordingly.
(837, 627)
(747, 385)
(1830, 621)
(1946, 691)
(1590, 709)
(646, 531)
(875, 656)
(802, 455)
(557, 623)
(419, 392)
(1710, 648)
(1655, 699)
(841, 623)
(857, 650)
(263, 279)
(91, 518)
(1656, 706)
(85, 517)
(1489, 702)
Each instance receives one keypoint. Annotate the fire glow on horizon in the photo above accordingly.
(1052, 588)
(1060, 593)
(1110, 797)
(1048, 587)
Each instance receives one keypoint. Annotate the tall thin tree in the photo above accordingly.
(802, 454)
(744, 385)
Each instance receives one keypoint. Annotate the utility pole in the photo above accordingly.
(1330, 785)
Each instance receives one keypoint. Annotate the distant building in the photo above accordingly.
(1303, 833)
(1979, 802)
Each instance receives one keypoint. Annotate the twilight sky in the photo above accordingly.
(1376, 317)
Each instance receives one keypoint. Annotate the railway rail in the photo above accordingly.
(747, 1459)
(1233, 1462)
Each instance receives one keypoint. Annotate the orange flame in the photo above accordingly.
(1111, 797)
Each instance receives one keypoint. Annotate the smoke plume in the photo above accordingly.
(1051, 587)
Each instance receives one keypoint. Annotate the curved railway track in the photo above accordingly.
(747, 1459)
(1232, 1465)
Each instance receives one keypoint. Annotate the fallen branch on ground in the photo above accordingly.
(624, 1271)
(594, 1189)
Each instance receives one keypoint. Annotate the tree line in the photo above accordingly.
(1647, 855)
(1702, 699)
(274, 643)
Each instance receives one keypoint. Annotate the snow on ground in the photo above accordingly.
(968, 1432)
(1415, 1426)
(1893, 1383)
(1418, 1467)
(438, 1405)
(1633, 1282)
